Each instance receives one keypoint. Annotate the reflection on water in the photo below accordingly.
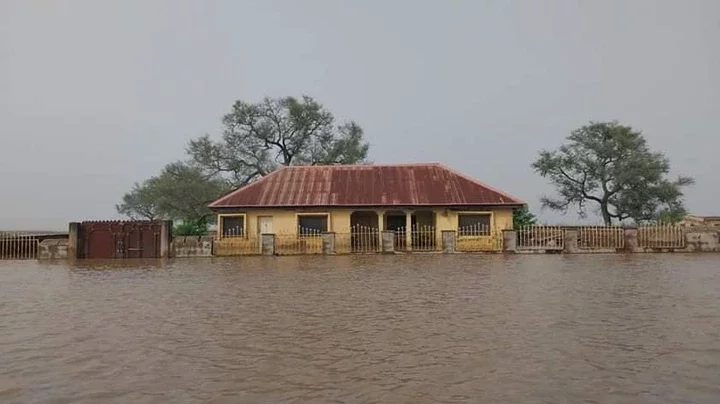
(363, 329)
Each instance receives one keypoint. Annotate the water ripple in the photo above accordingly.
(364, 329)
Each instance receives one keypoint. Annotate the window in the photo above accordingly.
(474, 224)
(232, 226)
(312, 225)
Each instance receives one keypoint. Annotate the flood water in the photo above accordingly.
(363, 329)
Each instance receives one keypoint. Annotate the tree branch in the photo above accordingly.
(581, 184)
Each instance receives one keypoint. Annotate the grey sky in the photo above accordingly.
(96, 95)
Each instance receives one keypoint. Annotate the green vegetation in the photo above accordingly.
(603, 164)
(257, 139)
(611, 167)
(190, 229)
(522, 217)
(180, 192)
(275, 132)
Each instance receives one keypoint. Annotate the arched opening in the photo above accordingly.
(364, 231)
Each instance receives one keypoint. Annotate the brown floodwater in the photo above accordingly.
(363, 329)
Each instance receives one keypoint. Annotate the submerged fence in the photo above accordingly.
(601, 237)
(18, 246)
(422, 238)
(540, 238)
(479, 238)
(662, 236)
(305, 241)
(360, 239)
(238, 246)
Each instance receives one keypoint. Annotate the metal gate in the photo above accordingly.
(119, 239)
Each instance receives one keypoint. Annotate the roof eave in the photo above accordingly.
(455, 205)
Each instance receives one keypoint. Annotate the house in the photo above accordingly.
(416, 201)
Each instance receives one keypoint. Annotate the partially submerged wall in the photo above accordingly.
(53, 249)
(703, 241)
(192, 246)
(206, 246)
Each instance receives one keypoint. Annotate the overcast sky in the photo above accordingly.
(95, 95)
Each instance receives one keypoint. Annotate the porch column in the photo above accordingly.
(408, 230)
(381, 225)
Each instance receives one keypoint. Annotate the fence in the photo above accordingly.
(601, 238)
(305, 241)
(478, 238)
(361, 239)
(18, 246)
(400, 243)
(422, 238)
(238, 245)
(661, 236)
(540, 238)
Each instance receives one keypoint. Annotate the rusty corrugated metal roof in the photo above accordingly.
(365, 185)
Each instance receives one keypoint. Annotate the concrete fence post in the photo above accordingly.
(73, 234)
(267, 244)
(448, 241)
(571, 241)
(328, 243)
(388, 241)
(631, 240)
(509, 241)
(165, 238)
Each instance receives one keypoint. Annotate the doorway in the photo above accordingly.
(265, 225)
(395, 222)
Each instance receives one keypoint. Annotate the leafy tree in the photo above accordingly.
(611, 166)
(286, 131)
(257, 139)
(180, 192)
(522, 217)
(140, 203)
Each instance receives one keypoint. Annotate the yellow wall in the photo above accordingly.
(502, 219)
(285, 221)
(285, 224)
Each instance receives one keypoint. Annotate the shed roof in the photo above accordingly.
(365, 185)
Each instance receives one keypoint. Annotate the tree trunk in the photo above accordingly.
(606, 214)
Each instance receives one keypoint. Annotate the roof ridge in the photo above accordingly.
(307, 166)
